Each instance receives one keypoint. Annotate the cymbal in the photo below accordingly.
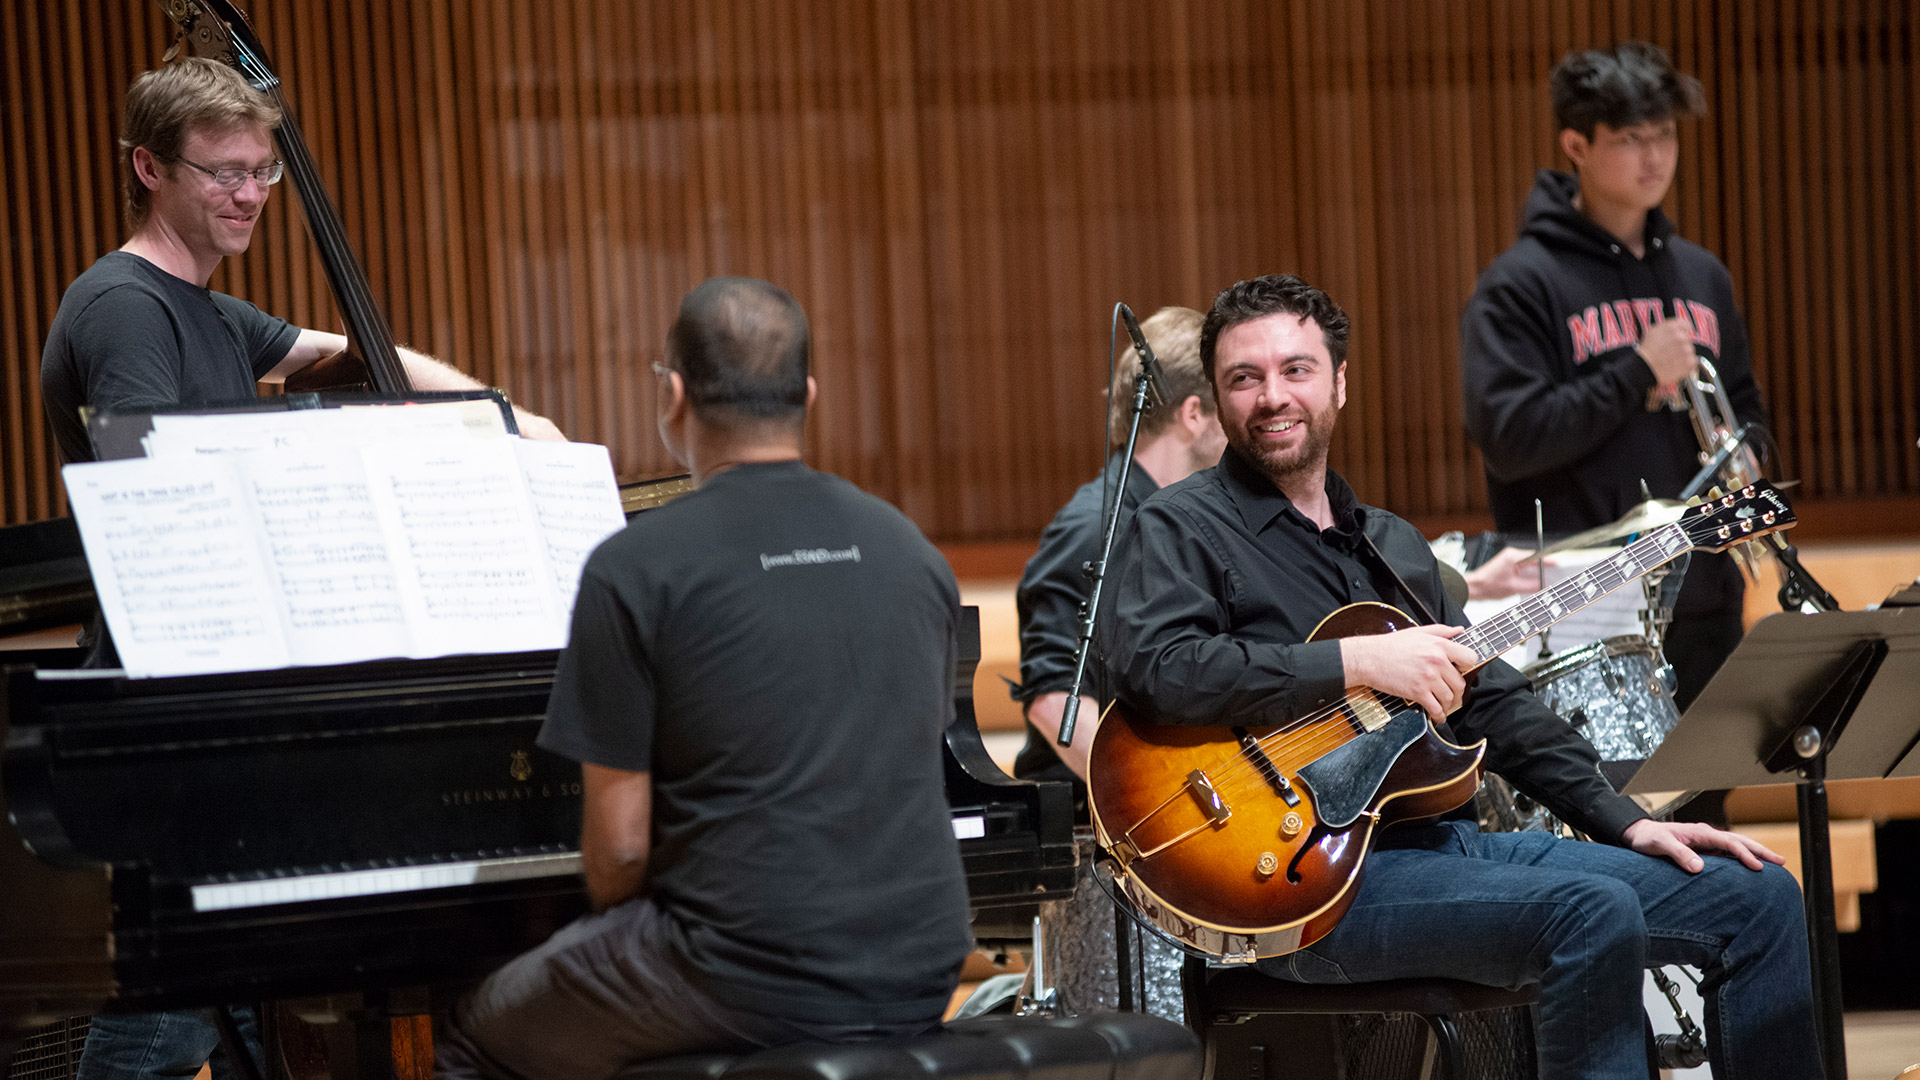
(1651, 514)
(1453, 583)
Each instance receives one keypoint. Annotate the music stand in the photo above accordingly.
(1781, 704)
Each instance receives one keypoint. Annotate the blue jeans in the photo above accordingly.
(1582, 921)
(164, 1044)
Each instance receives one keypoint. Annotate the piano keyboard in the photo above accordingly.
(344, 884)
(226, 896)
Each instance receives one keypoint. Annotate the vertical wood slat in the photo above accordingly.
(959, 191)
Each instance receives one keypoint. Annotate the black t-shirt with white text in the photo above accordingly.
(777, 650)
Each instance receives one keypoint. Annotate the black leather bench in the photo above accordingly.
(1110, 1046)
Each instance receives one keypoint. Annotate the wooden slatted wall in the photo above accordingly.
(958, 191)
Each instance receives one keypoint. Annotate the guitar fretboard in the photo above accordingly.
(1541, 610)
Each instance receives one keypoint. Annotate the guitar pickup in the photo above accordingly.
(1251, 747)
(1209, 799)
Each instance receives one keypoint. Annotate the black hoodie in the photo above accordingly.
(1556, 396)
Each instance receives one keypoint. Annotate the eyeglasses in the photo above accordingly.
(230, 179)
(661, 369)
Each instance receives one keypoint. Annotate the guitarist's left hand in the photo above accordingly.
(1681, 840)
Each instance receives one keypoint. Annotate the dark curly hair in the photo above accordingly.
(1273, 294)
(1631, 83)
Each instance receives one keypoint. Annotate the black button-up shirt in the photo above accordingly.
(1221, 580)
(1051, 592)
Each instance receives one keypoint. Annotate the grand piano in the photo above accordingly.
(373, 835)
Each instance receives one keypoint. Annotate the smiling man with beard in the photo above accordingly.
(1223, 579)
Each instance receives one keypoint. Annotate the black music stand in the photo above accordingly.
(1780, 705)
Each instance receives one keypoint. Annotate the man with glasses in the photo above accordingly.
(755, 687)
(140, 329)
(1577, 336)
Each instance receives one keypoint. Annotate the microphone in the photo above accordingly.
(1149, 367)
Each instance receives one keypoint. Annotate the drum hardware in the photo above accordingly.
(1688, 1049)
(1037, 997)
(1540, 566)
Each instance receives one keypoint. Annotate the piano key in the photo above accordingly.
(223, 896)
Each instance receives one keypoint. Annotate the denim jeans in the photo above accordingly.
(164, 1044)
(1582, 921)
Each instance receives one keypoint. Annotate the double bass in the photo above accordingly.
(216, 28)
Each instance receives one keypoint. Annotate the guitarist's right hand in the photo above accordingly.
(1422, 665)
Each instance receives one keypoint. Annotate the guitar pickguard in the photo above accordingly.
(1345, 780)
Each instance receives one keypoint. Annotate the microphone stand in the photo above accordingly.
(1146, 396)
(1712, 468)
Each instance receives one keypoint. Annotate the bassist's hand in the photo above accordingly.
(1422, 665)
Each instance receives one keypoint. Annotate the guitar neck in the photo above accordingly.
(1543, 609)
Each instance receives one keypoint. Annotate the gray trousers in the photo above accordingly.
(601, 994)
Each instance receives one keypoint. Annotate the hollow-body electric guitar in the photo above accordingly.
(1243, 843)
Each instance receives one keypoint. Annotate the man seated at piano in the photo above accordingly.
(139, 328)
(1218, 593)
(756, 686)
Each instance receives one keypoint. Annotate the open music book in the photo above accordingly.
(257, 559)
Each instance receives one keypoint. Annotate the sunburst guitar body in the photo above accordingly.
(1249, 842)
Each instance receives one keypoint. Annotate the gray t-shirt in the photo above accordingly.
(129, 335)
(777, 649)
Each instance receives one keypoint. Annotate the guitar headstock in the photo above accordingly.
(218, 29)
(1748, 514)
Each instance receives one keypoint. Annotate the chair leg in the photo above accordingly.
(1446, 1040)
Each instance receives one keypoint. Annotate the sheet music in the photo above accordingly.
(578, 502)
(324, 546)
(307, 550)
(177, 434)
(175, 565)
(473, 569)
(1612, 615)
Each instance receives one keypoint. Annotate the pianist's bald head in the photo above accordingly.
(741, 346)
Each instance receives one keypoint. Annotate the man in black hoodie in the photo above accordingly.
(1577, 336)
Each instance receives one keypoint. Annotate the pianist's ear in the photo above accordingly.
(813, 391)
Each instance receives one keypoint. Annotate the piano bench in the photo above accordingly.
(1109, 1046)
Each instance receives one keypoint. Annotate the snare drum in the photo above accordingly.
(1616, 692)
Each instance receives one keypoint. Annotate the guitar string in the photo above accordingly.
(1313, 736)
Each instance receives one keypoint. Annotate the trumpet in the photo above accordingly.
(1717, 429)
(1715, 426)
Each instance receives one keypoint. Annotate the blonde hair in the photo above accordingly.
(1174, 335)
(167, 104)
